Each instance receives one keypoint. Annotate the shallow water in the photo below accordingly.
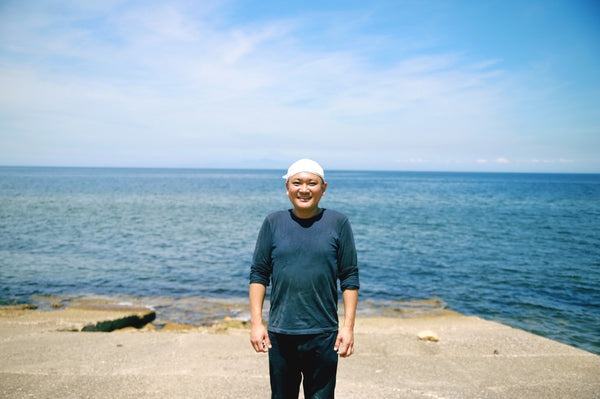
(522, 249)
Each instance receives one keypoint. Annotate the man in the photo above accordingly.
(303, 252)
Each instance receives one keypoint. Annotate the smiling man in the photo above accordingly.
(303, 252)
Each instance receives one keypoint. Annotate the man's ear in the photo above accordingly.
(323, 188)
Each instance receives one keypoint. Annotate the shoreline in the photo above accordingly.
(202, 311)
(206, 311)
(472, 357)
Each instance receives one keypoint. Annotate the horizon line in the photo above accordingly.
(283, 169)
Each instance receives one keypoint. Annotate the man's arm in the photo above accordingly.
(258, 335)
(344, 344)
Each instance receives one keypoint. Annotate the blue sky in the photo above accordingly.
(378, 85)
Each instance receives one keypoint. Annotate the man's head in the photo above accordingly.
(305, 184)
(305, 165)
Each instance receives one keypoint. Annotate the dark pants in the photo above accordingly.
(292, 357)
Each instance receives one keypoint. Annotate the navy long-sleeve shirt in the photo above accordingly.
(303, 259)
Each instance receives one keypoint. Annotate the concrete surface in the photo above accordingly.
(42, 358)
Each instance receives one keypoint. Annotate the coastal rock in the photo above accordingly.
(428, 335)
(104, 318)
(228, 323)
(130, 317)
(23, 306)
(176, 327)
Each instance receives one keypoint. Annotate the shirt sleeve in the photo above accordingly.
(347, 259)
(261, 268)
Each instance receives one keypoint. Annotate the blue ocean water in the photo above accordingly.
(521, 249)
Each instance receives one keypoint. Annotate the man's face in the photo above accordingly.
(305, 191)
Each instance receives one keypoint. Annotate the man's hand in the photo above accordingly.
(344, 344)
(259, 337)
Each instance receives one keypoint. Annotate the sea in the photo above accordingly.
(519, 249)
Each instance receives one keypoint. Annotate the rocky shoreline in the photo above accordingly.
(208, 311)
(105, 317)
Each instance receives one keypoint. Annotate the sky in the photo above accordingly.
(497, 85)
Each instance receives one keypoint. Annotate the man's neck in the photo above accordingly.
(306, 213)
